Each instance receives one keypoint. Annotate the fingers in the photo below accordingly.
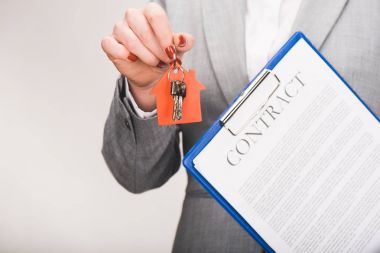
(146, 36)
(183, 42)
(140, 26)
(159, 22)
(127, 63)
(125, 36)
(116, 51)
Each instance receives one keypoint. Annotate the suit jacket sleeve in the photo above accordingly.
(140, 154)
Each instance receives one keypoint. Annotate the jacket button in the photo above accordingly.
(127, 124)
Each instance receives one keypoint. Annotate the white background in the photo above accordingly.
(56, 85)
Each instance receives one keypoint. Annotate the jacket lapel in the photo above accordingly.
(224, 27)
(316, 18)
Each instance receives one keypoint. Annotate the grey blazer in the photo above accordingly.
(143, 156)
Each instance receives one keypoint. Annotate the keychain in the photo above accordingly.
(177, 89)
(178, 96)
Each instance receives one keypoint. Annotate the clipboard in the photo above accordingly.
(234, 120)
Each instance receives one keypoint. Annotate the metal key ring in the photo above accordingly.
(174, 66)
(175, 58)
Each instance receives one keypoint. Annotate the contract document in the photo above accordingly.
(296, 160)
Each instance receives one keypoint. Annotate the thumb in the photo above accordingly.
(183, 42)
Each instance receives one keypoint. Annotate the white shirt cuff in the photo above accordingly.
(140, 113)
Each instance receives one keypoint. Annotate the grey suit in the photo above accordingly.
(143, 156)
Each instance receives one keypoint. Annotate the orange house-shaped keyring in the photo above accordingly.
(191, 106)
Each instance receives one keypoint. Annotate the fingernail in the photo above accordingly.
(132, 57)
(182, 41)
(161, 65)
(170, 51)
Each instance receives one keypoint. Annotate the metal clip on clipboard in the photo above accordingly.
(250, 102)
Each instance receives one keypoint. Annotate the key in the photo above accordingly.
(178, 92)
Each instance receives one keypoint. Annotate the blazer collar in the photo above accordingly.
(224, 27)
(316, 18)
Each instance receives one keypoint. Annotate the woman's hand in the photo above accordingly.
(141, 48)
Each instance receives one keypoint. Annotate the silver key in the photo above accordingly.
(178, 91)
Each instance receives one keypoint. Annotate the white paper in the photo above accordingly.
(305, 174)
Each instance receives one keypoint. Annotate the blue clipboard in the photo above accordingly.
(217, 125)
